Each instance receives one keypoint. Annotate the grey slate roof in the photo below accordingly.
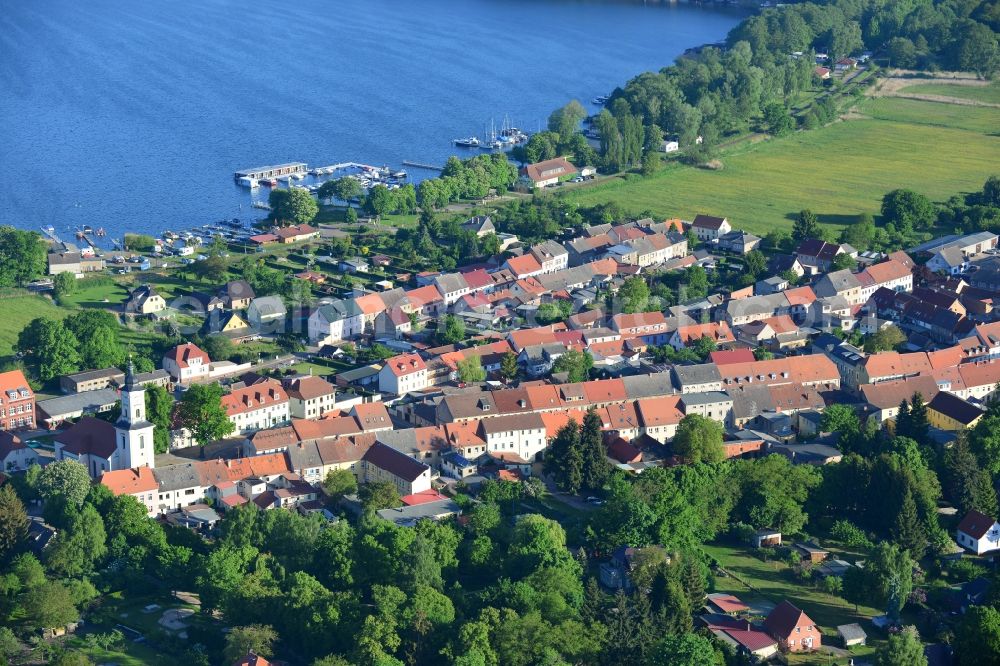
(177, 477)
(689, 375)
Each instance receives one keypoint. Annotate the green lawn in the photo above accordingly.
(18, 311)
(977, 119)
(990, 93)
(774, 584)
(838, 172)
(103, 294)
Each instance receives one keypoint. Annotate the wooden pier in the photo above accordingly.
(420, 165)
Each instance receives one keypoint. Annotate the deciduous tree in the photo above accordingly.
(201, 412)
(699, 439)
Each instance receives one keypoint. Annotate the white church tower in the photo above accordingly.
(133, 432)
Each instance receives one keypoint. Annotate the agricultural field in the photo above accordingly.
(838, 171)
(18, 311)
(989, 94)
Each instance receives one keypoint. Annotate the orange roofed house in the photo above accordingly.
(650, 327)
(140, 483)
(547, 172)
(17, 401)
(402, 374)
(793, 629)
(257, 406)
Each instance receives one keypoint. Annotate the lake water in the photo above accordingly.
(133, 115)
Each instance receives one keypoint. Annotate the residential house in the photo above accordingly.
(144, 300)
(186, 363)
(17, 401)
(452, 287)
(267, 314)
(309, 397)
(708, 227)
(717, 332)
(650, 327)
(947, 411)
(738, 241)
(551, 256)
(842, 283)
(481, 225)
(139, 482)
(978, 533)
(256, 407)
(793, 629)
(402, 374)
(520, 435)
(353, 265)
(15, 455)
(382, 463)
(333, 322)
(548, 172)
(817, 256)
(296, 233)
(236, 294)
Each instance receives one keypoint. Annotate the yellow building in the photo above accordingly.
(949, 412)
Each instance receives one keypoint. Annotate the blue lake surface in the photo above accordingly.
(133, 115)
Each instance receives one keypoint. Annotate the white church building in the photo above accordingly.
(103, 447)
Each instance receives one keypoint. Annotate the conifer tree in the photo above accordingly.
(13, 521)
(596, 467)
(908, 531)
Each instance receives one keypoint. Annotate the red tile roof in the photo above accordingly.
(976, 524)
(254, 397)
(782, 621)
(130, 481)
(183, 354)
(405, 364)
(727, 356)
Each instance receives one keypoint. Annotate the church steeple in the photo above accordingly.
(133, 431)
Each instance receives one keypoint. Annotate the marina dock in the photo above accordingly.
(420, 165)
(265, 172)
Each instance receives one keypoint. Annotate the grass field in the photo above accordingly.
(838, 171)
(18, 311)
(990, 93)
(977, 119)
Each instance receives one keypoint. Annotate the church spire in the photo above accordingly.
(130, 375)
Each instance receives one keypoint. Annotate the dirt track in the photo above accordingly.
(899, 79)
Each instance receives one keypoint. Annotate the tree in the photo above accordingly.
(539, 542)
(65, 480)
(64, 284)
(77, 549)
(778, 119)
(380, 201)
(575, 364)
(967, 485)
(509, 368)
(908, 210)
(564, 458)
(450, 330)
(345, 189)
(913, 422)
(51, 347)
(806, 226)
(565, 121)
(908, 531)
(596, 468)
(471, 371)
(218, 347)
(295, 206)
(256, 638)
(379, 495)
(885, 339)
(699, 439)
(902, 649)
(977, 640)
(489, 245)
(890, 576)
(9, 644)
(201, 412)
(22, 256)
(159, 409)
(49, 605)
(685, 649)
(634, 294)
(13, 521)
(755, 263)
(842, 419)
(843, 261)
(861, 234)
(340, 482)
(650, 162)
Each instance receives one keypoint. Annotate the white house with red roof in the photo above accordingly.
(138, 482)
(651, 327)
(15, 455)
(186, 363)
(978, 533)
(524, 266)
(403, 374)
(257, 407)
(708, 227)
